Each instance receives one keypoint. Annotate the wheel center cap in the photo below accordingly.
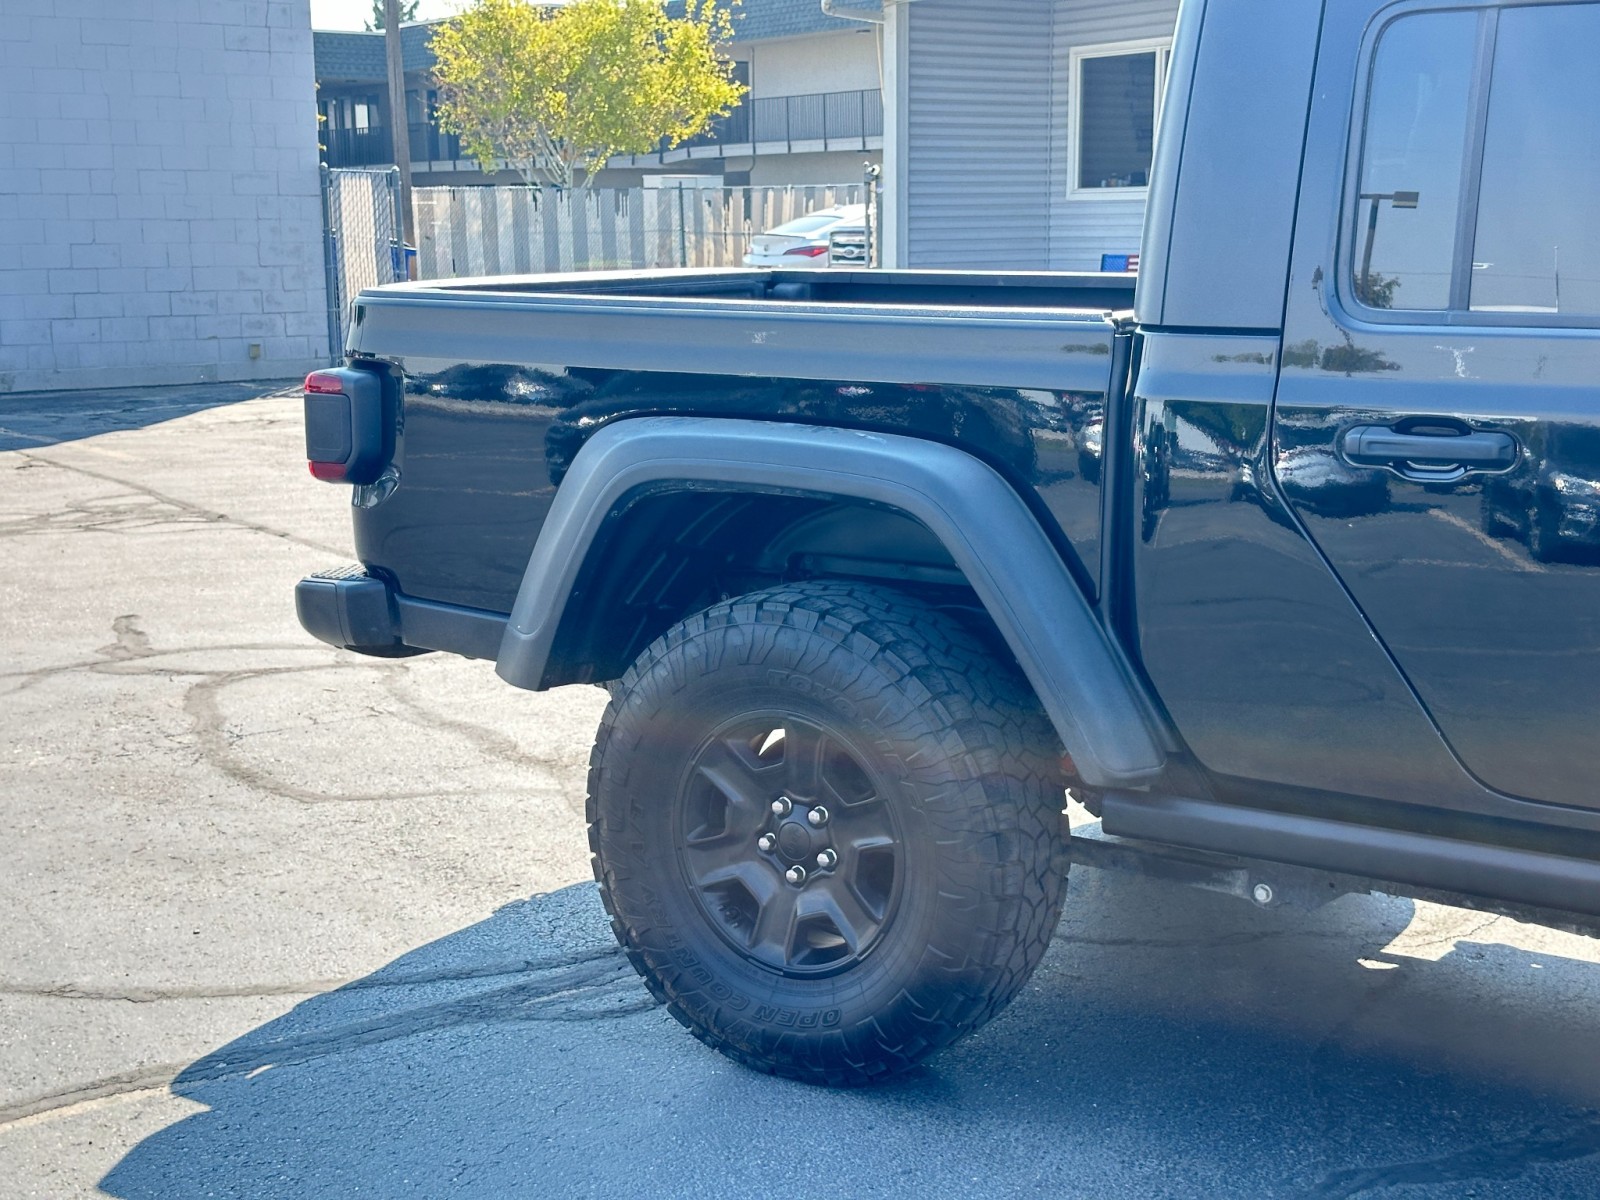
(794, 840)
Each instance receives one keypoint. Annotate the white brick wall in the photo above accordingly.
(159, 199)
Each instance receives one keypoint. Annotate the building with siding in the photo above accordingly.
(1020, 131)
(813, 113)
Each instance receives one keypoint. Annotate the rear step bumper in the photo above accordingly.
(348, 608)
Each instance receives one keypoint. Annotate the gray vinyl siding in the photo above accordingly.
(978, 129)
(1081, 230)
(987, 132)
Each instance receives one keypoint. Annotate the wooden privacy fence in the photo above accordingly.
(465, 231)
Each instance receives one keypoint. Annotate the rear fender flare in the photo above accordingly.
(1078, 673)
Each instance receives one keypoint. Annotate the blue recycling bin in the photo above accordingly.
(403, 261)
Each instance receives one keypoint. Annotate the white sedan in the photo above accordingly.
(804, 241)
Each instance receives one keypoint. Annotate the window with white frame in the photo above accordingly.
(1116, 109)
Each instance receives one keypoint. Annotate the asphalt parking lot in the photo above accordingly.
(283, 921)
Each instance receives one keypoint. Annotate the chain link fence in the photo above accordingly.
(362, 244)
(467, 231)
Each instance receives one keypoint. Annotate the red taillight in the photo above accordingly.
(349, 430)
(808, 251)
(326, 383)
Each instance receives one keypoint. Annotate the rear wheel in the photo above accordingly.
(827, 826)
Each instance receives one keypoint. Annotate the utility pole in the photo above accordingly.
(399, 118)
(1396, 200)
(872, 171)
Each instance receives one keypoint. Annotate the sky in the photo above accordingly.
(354, 14)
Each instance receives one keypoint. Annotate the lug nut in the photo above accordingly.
(818, 816)
(827, 859)
(766, 841)
(782, 806)
(795, 875)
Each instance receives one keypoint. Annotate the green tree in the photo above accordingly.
(408, 12)
(555, 91)
(1376, 290)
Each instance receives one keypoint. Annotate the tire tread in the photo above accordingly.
(1002, 797)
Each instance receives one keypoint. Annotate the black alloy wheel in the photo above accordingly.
(789, 843)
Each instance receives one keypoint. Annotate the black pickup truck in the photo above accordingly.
(1285, 563)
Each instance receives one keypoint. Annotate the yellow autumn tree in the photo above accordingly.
(556, 90)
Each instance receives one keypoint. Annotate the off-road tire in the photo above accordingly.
(950, 737)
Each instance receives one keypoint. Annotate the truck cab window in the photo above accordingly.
(1403, 227)
(1536, 251)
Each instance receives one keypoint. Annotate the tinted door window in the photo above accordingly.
(1418, 115)
(1538, 236)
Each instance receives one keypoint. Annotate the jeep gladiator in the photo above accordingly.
(1284, 562)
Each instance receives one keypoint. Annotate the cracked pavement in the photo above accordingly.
(284, 921)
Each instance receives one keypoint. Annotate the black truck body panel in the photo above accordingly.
(1223, 187)
(486, 437)
(1280, 678)
(1485, 588)
(1341, 558)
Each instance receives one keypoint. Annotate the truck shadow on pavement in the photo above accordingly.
(1173, 1044)
(34, 420)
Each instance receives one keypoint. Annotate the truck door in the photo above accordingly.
(1437, 419)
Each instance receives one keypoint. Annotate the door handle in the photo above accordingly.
(1438, 456)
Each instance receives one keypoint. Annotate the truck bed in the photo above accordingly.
(979, 289)
(503, 380)
(882, 326)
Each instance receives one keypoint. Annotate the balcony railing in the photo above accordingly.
(372, 147)
(817, 117)
(828, 118)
